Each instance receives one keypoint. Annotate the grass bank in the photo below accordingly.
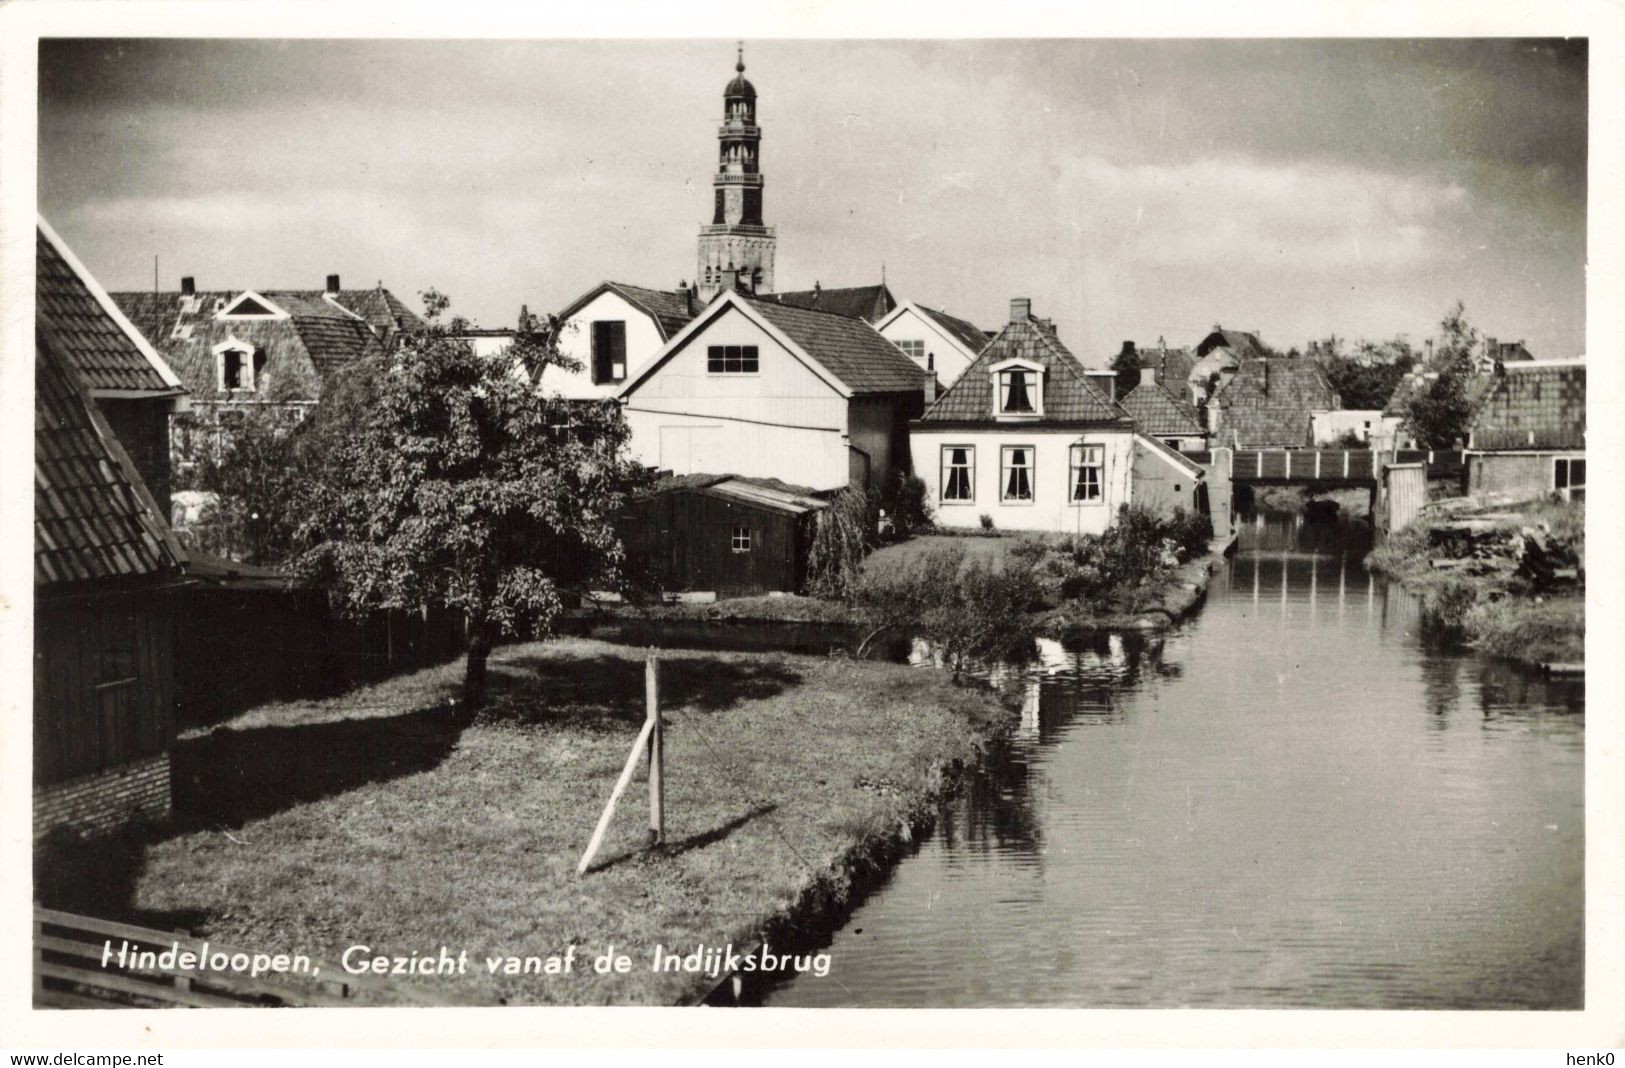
(377, 819)
(1478, 587)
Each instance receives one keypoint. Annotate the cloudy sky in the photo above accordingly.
(1132, 189)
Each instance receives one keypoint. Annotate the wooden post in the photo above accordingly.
(615, 796)
(657, 752)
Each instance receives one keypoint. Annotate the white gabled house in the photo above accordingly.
(936, 341)
(1025, 438)
(613, 331)
(766, 390)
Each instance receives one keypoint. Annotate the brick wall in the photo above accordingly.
(104, 801)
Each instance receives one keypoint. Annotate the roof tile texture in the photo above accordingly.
(93, 519)
(1534, 407)
(1069, 396)
(100, 350)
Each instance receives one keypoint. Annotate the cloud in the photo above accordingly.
(1219, 212)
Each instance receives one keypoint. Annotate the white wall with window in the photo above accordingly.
(733, 400)
(924, 341)
(1034, 478)
(611, 338)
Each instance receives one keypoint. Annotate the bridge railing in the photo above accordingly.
(1332, 465)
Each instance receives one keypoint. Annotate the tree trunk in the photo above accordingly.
(479, 649)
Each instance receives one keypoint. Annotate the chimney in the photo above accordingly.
(1128, 349)
(1049, 324)
(1148, 376)
(188, 286)
(817, 288)
(1021, 308)
(333, 285)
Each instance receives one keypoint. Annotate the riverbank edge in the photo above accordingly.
(825, 903)
(1177, 595)
(1407, 572)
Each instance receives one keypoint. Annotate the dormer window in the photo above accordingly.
(1018, 389)
(248, 305)
(238, 366)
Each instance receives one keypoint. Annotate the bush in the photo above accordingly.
(987, 521)
(842, 538)
(968, 612)
(907, 505)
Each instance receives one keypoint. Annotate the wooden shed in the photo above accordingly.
(721, 533)
(106, 569)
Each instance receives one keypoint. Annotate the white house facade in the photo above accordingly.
(1024, 438)
(613, 331)
(936, 341)
(765, 390)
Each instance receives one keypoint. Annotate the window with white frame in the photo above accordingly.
(731, 360)
(959, 473)
(914, 350)
(235, 368)
(1088, 473)
(1569, 477)
(740, 541)
(1020, 391)
(1016, 474)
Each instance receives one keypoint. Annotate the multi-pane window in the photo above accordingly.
(1571, 477)
(1016, 473)
(958, 473)
(1017, 393)
(608, 350)
(731, 360)
(914, 350)
(740, 542)
(1088, 466)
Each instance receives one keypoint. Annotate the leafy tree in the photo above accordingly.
(445, 479)
(1127, 364)
(1367, 379)
(1439, 414)
(252, 480)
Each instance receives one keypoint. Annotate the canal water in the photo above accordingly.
(1297, 798)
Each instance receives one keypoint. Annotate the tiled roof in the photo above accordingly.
(1157, 411)
(870, 303)
(671, 310)
(381, 309)
(850, 349)
(1069, 396)
(967, 334)
(1245, 345)
(1534, 406)
(1268, 402)
(104, 355)
(1173, 367)
(93, 517)
(301, 351)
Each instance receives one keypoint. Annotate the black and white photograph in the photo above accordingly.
(751, 520)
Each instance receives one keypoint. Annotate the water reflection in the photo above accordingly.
(1296, 798)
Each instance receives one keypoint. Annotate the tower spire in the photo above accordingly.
(737, 239)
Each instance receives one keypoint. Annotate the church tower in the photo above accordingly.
(737, 244)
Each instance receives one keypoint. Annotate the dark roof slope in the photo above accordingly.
(103, 354)
(93, 517)
(870, 303)
(1534, 406)
(850, 349)
(1069, 396)
(382, 309)
(1268, 402)
(671, 310)
(1157, 411)
(967, 334)
(1244, 344)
